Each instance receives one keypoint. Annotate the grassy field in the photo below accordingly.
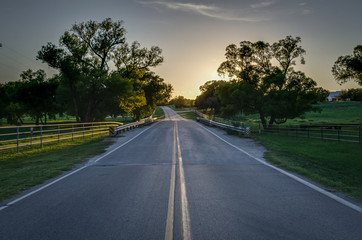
(332, 113)
(189, 115)
(335, 165)
(159, 113)
(67, 119)
(21, 171)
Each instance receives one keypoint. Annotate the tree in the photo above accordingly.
(349, 67)
(275, 92)
(86, 51)
(37, 95)
(354, 94)
(208, 98)
(11, 108)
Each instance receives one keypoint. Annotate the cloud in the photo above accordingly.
(262, 4)
(200, 9)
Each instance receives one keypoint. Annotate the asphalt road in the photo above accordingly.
(177, 179)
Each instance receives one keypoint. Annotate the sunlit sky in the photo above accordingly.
(192, 34)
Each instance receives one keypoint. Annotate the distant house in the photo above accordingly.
(333, 96)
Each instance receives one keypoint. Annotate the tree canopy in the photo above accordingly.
(276, 93)
(89, 88)
(100, 75)
(349, 67)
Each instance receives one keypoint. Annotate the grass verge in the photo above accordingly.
(189, 115)
(159, 113)
(335, 165)
(21, 171)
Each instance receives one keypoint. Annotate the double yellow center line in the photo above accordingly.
(185, 218)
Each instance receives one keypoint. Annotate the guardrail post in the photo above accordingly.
(92, 130)
(17, 139)
(41, 137)
(111, 131)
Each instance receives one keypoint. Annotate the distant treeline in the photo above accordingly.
(86, 87)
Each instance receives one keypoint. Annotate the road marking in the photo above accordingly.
(308, 184)
(185, 217)
(171, 198)
(71, 173)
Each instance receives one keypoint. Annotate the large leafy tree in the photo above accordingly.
(349, 67)
(37, 95)
(207, 98)
(10, 106)
(84, 57)
(277, 93)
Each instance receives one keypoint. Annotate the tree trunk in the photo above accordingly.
(272, 120)
(74, 100)
(90, 108)
(262, 119)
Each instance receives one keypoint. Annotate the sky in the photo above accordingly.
(192, 34)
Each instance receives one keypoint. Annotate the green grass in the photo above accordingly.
(334, 165)
(332, 113)
(159, 112)
(189, 115)
(21, 171)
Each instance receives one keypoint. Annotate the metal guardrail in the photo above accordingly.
(116, 130)
(350, 133)
(30, 135)
(242, 131)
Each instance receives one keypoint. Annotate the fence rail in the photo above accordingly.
(242, 131)
(128, 126)
(340, 133)
(30, 135)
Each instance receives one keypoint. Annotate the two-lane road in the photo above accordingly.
(177, 179)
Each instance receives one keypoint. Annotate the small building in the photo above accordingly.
(333, 96)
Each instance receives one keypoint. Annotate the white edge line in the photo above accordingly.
(71, 173)
(308, 184)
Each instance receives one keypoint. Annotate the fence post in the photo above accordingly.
(58, 134)
(322, 133)
(92, 130)
(31, 137)
(338, 135)
(308, 131)
(72, 133)
(17, 139)
(41, 137)
(83, 131)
